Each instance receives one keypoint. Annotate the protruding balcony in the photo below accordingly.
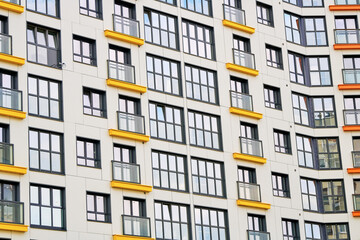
(347, 39)
(235, 18)
(256, 235)
(7, 160)
(356, 199)
(345, 5)
(12, 216)
(244, 62)
(352, 120)
(12, 5)
(351, 79)
(137, 228)
(251, 150)
(127, 176)
(125, 29)
(356, 163)
(130, 126)
(6, 50)
(241, 104)
(11, 103)
(249, 196)
(123, 76)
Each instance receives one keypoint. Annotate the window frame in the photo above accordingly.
(278, 54)
(107, 207)
(333, 196)
(286, 140)
(210, 10)
(201, 225)
(102, 101)
(306, 44)
(97, 153)
(92, 50)
(57, 8)
(261, 19)
(295, 233)
(285, 185)
(99, 12)
(276, 95)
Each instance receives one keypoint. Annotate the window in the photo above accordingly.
(46, 151)
(201, 84)
(91, 8)
(119, 55)
(169, 171)
(239, 85)
(214, 219)
(272, 97)
(125, 9)
(264, 14)
(134, 207)
(282, 141)
(47, 207)
(280, 183)
(208, 177)
(319, 68)
(352, 109)
(256, 223)
(204, 130)
(246, 181)
(124, 154)
(94, 102)
(273, 57)
(300, 108)
(246, 175)
(305, 151)
(324, 112)
(43, 46)
(84, 50)
(9, 192)
(315, 32)
(200, 6)
(292, 27)
(309, 194)
(98, 207)
(290, 229)
(166, 122)
(88, 153)
(296, 68)
(328, 153)
(312, 3)
(337, 231)
(198, 40)
(172, 221)
(129, 105)
(161, 29)
(45, 97)
(171, 2)
(163, 75)
(48, 7)
(333, 196)
(313, 231)
(241, 43)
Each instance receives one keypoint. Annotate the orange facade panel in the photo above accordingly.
(344, 7)
(346, 46)
(349, 86)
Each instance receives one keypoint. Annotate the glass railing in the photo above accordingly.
(126, 26)
(131, 123)
(347, 2)
(351, 76)
(251, 146)
(356, 158)
(244, 59)
(6, 153)
(249, 191)
(255, 235)
(234, 14)
(347, 36)
(352, 117)
(10, 98)
(122, 72)
(241, 100)
(12, 212)
(5, 44)
(356, 202)
(126, 172)
(13, 1)
(136, 226)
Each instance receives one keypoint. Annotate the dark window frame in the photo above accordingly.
(57, 8)
(284, 190)
(97, 152)
(107, 207)
(286, 140)
(276, 96)
(102, 109)
(98, 11)
(92, 50)
(262, 19)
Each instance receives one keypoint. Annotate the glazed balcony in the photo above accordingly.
(136, 226)
(11, 103)
(242, 104)
(255, 235)
(235, 18)
(6, 50)
(12, 216)
(244, 62)
(347, 39)
(345, 5)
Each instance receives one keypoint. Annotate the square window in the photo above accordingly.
(94, 102)
(280, 183)
(282, 141)
(264, 14)
(274, 57)
(88, 152)
(98, 207)
(84, 50)
(272, 97)
(91, 8)
(47, 7)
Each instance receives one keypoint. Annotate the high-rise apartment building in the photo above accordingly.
(179, 119)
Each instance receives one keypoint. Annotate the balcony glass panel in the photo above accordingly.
(241, 100)
(5, 44)
(126, 26)
(6, 154)
(352, 117)
(234, 14)
(244, 59)
(249, 191)
(13, 1)
(12, 212)
(356, 159)
(254, 235)
(122, 72)
(347, 2)
(351, 76)
(126, 172)
(136, 226)
(251, 146)
(10, 98)
(131, 123)
(356, 202)
(347, 36)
